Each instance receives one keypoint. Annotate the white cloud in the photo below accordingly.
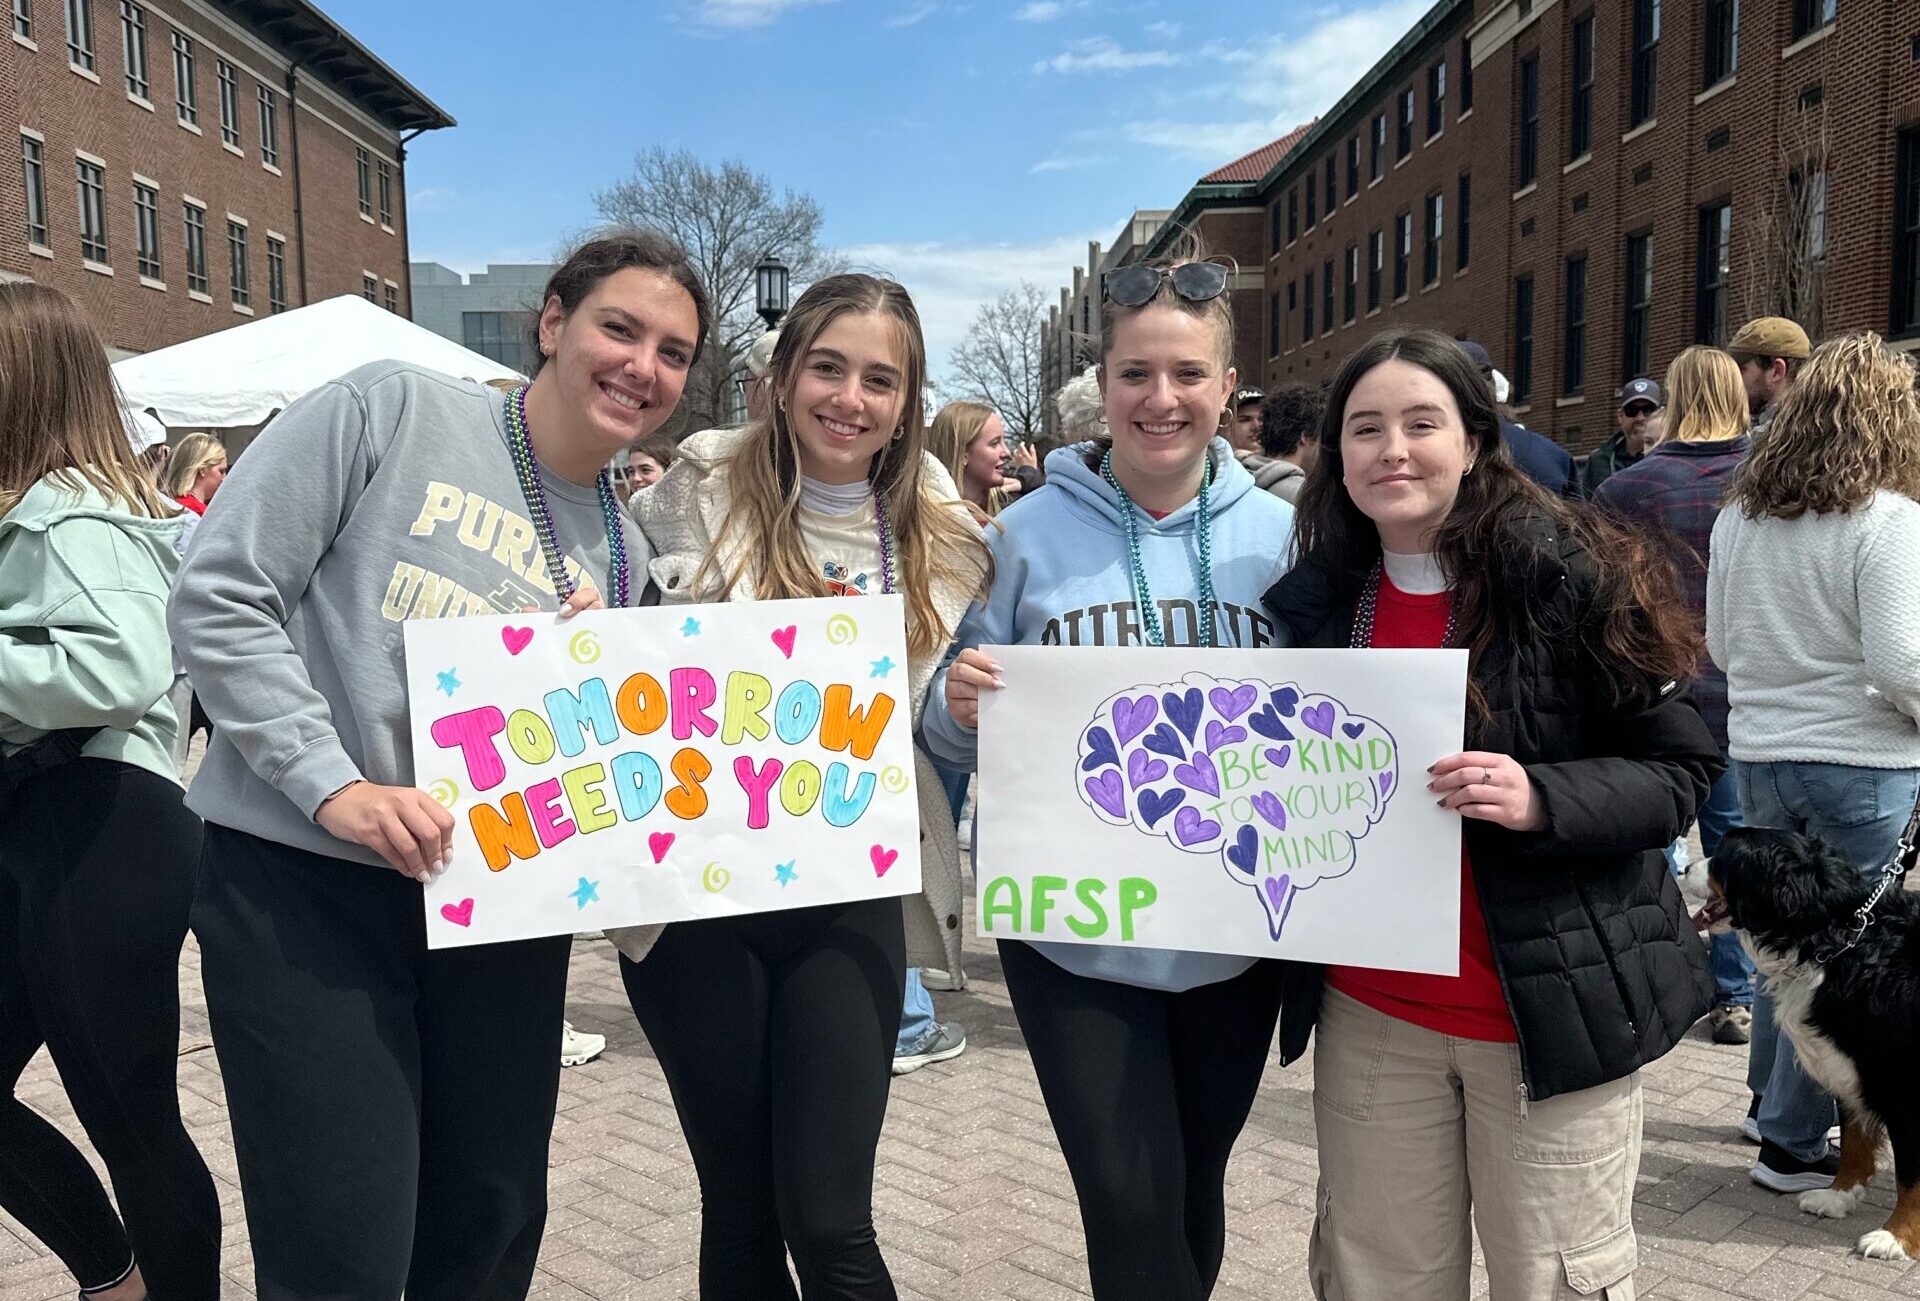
(915, 14)
(1214, 143)
(744, 13)
(950, 282)
(1104, 54)
(1067, 163)
(1046, 11)
(1164, 31)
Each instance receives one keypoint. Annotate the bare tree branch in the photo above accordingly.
(999, 360)
(1786, 240)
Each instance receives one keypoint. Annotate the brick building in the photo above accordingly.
(188, 164)
(1588, 187)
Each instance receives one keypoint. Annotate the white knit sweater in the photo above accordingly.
(1816, 621)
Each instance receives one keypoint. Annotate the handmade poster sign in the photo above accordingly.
(1270, 803)
(634, 766)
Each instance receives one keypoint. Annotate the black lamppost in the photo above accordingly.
(770, 289)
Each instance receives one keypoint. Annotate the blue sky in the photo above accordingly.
(961, 147)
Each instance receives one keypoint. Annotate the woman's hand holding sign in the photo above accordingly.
(969, 675)
(1490, 787)
(402, 824)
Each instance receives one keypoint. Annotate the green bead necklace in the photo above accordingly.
(1203, 529)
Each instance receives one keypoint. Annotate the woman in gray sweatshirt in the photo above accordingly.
(391, 1105)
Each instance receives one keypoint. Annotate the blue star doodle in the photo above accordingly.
(449, 681)
(585, 893)
(691, 628)
(883, 666)
(784, 872)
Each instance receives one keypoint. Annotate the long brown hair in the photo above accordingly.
(1848, 427)
(59, 411)
(932, 537)
(1493, 547)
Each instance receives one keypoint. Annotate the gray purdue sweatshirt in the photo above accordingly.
(386, 495)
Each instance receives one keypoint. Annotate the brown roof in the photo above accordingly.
(1257, 164)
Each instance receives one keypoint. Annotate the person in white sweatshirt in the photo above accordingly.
(1813, 610)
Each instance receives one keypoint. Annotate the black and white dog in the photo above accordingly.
(1852, 1012)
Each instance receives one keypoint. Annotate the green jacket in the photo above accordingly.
(83, 624)
(1604, 460)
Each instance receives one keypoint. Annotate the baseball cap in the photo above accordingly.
(1770, 336)
(1638, 390)
(1242, 396)
(1476, 354)
(760, 355)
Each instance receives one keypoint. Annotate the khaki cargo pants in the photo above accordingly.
(1424, 1137)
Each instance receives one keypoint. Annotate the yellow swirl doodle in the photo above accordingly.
(715, 878)
(445, 792)
(584, 647)
(893, 778)
(842, 630)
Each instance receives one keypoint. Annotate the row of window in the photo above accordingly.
(90, 181)
(133, 40)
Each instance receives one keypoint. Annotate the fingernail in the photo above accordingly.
(1432, 766)
(994, 665)
(1441, 803)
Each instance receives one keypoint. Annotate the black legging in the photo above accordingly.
(98, 861)
(1147, 1092)
(776, 1034)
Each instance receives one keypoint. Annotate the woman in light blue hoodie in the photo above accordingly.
(1148, 1058)
(98, 853)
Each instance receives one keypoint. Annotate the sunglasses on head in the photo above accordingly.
(1135, 286)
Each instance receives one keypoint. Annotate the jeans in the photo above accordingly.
(916, 1018)
(1860, 812)
(1732, 968)
(955, 785)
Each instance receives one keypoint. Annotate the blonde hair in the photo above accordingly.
(195, 453)
(931, 538)
(1706, 401)
(1848, 427)
(955, 428)
(59, 411)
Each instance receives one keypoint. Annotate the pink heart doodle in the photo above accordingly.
(460, 914)
(883, 858)
(660, 842)
(516, 639)
(783, 638)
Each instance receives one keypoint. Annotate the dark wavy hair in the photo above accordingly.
(609, 252)
(1292, 414)
(1497, 545)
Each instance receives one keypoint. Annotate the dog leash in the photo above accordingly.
(1890, 877)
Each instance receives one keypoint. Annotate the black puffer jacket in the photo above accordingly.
(1601, 967)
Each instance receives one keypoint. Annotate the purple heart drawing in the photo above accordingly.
(1184, 707)
(1319, 717)
(1268, 724)
(1278, 758)
(1386, 782)
(1199, 775)
(1132, 717)
(1284, 699)
(1268, 806)
(1101, 753)
(1164, 740)
(1244, 852)
(1154, 806)
(1192, 829)
(1143, 768)
(1108, 793)
(1353, 729)
(1218, 736)
(1231, 704)
(1276, 888)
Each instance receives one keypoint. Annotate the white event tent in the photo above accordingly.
(243, 375)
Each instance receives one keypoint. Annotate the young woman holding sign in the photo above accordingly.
(1510, 1091)
(392, 1106)
(776, 1030)
(1148, 1059)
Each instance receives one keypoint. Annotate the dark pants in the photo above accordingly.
(775, 1031)
(97, 867)
(391, 1106)
(1147, 1091)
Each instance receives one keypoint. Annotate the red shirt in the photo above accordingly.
(192, 503)
(1471, 1004)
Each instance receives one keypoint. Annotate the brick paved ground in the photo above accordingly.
(972, 1198)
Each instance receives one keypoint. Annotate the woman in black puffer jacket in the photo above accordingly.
(1510, 1091)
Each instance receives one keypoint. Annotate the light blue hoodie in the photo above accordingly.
(1062, 577)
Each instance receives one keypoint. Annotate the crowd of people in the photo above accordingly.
(1709, 622)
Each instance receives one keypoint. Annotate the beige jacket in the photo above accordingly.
(681, 515)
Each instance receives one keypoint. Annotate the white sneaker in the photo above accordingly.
(577, 1047)
(936, 978)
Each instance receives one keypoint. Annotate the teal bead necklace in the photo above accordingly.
(1203, 529)
(527, 469)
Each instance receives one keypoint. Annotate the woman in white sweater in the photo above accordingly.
(1813, 610)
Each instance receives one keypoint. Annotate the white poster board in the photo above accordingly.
(636, 766)
(1265, 802)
